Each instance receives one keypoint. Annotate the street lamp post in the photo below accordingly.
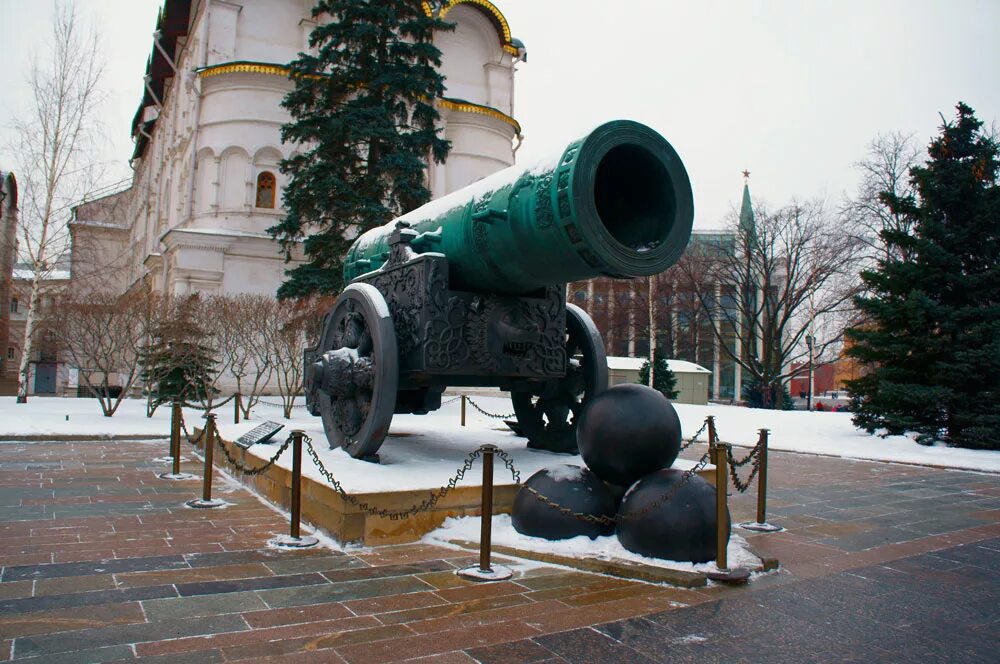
(809, 395)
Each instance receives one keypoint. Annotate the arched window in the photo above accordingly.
(265, 190)
(13, 305)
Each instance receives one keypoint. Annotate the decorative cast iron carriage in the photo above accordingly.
(469, 290)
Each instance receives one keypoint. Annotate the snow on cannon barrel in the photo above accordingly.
(469, 290)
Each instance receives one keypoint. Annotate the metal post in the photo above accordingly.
(463, 410)
(236, 408)
(176, 417)
(713, 437)
(721, 512)
(296, 481)
(175, 436)
(809, 395)
(723, 573)
(762, 478)
(208, 436)
(486, 530)
(486, 571)
(294, 539)
(209, 440)
(761, 525)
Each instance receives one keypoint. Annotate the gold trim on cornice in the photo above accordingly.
(244, 68)
(468, 107)
(505, 38)
(279, 70)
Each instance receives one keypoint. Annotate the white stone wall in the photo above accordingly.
(194, 222)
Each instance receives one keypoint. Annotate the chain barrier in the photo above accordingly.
(693, 439)
(754, 456)
(606, 520)
(187, 434)
(209, 408)
(508, 462)
(396, 515)
(247, 470)
(452, 400)
(495, 416)
(278, 404)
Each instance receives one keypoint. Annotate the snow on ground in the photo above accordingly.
(421, 452)
(828, 433)
(60, 416)
(433, 446)
(467, 529)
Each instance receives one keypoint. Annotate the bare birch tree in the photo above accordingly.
(792, 274)
(55, 143)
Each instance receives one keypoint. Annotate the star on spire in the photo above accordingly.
(746, 174)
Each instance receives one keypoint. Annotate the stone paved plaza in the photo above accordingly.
(102, 563)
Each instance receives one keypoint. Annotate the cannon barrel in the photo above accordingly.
(616, 202)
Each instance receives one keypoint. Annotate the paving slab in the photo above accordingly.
(880, 562)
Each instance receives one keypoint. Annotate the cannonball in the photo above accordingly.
(572, 487)
(681, 529)
(628, 431)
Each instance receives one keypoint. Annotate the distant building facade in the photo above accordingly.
(206, 180)
(48, 371)
(9, 345)
(691, 380)
(620, 309)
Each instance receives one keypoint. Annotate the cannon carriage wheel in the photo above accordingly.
(548, 415)
(355, 375)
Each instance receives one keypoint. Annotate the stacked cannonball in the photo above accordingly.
(628, 436)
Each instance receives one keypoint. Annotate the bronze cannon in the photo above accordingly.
(469, 290)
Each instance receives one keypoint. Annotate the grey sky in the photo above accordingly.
(793, 91)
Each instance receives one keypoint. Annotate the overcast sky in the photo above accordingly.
(792, 91)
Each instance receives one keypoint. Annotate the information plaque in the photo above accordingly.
(259, 434)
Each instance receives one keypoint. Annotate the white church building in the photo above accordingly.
(206, 182)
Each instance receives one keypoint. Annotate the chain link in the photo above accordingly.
(278, 404)
(452, 400)
(606, 520)
(187, 435)
(754, 455)
(487, 414)
(210, 407)
(247, 470)
(693, 439)
(667, 497)
(395, 515)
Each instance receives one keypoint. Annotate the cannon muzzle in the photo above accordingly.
(616, 202)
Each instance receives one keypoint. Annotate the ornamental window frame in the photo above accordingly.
(265, 181)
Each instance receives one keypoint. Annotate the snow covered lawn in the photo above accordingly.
(436, 443)
(831, 434)
(57, 416)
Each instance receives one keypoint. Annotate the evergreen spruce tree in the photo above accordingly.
(664, 379)
(363, 111)
(931, 341)
(177, 364)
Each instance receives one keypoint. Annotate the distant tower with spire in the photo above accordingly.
(747, 342)
(746, 208)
